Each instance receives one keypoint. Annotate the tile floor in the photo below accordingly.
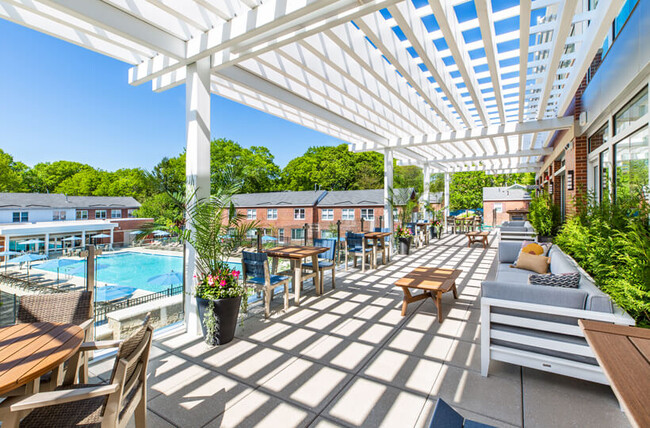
(348, 358)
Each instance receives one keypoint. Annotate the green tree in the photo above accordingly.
(83, 183)
(45, 177)
(408, 176)
(466, 188)
(255, 166)
(11, 174)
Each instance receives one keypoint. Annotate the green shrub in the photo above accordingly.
(544, 215)
(612, 243)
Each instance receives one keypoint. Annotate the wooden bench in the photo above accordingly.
(480, 237)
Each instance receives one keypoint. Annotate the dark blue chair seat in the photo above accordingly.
(321, 264)
(444, 416)
(274, 279)
(358, 249)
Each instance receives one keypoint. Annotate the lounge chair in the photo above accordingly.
(356, 247)
(444, 416)
(325, 260)
(255, 271)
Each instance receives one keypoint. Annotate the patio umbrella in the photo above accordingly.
(267, 238)
(109, 293)
(72, 238)
(160, 233)
(58, 263)
(170, 278)
(135, 232)
(28, 258)
(6, 255)
(101, 235)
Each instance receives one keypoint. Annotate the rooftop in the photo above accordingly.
(512, 193)
(279, 199)
(68, 226)
(59, 200)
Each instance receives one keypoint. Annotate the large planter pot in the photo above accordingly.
(404, 246)
(225, 314)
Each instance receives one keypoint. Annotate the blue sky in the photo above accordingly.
(59, 101)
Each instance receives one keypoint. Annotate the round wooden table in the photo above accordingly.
(28, 351)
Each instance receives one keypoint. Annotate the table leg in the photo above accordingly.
(297, 286)
(317, 283)
(274, 265)
(409, 298)
(454, 290)
(373, 265)
(439, 305)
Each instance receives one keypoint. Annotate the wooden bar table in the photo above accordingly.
(624, 355)
(424, 227)
(28, 351)
(376, 238)
(295, 254)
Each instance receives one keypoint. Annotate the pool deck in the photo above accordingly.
(348, 358)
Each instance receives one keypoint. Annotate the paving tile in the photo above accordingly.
(170, 374)
(340, 353)
(321, 422)
(497, 397)
(403, 371)
(307, 384)
(467, 355)
(421, 345)
(153, 421)
(370, 403)
(260, 410)
(574, 402)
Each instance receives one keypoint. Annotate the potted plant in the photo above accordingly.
(404, 237)
(436, 229)
(216, 232)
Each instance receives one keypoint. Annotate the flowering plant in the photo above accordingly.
(221, 283)
(403, 232)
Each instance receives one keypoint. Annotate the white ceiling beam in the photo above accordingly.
(486, 24)
(601, 22)
(110, 18)
(524, 25)
(522, 154)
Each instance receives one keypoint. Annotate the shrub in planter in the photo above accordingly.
(544, 215)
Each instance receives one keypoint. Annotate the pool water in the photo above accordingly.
(131, 269)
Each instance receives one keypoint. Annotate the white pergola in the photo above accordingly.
(448, 85)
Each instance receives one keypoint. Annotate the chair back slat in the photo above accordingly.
(254, 263)
(354, 240)
(329, 243)
(73, 307)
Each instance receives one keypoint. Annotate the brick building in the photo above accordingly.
(497, 201)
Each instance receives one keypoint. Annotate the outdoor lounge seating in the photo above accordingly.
(537, 326)
(110, 405)
(255, 271)
(355, 246)
(517, 231)
(444, 416)
(325, 260)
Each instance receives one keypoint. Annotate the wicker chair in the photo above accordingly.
(74, 307)
(107, 405)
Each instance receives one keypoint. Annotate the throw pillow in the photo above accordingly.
(536, 248)
(566, 280)
(538, 264)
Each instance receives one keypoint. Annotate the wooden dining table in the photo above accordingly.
(424, 229)
(376, 238)
(28, 351)
(624, 355)
(295, 254)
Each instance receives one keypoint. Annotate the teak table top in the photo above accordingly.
(295, 251)
(376, 235)
(624, 355)
(429, 278)
(28, 351)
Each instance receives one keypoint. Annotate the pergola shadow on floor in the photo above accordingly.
(348, 358)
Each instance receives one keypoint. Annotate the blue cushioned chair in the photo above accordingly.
(446, 417)
(325, 260)
(255, 271)
(384, 246)
(356, 247)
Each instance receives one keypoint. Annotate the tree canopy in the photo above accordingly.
(466, 188)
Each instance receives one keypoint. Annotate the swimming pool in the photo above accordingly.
(130, 269)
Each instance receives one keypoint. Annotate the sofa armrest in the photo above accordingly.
(552, 296)
(509, 251)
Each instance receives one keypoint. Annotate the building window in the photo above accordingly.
(58, 215)
(632, 111)
(347, 214)
(599, 138)
(327, 214)
(116, 213)
(272, 214)
(82, 214)
(297, 234)
(498, 207)
(281, 235)
(604, 175)
(20, 216)
(368, 214)
(100, 214)
(251, 214)
(131, 213)
(298, 214)
(631, 160)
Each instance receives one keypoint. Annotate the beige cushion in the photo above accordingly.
(538, 264)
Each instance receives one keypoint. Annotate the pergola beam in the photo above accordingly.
(524, 26)
(486, 24)
(521, 154)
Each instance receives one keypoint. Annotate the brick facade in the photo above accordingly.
(488, 211)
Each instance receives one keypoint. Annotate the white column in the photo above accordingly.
(197, 166)
(426, 188)
(388, 187)
(83, 239)
(111, 246)
(447, 179)
(47, 244)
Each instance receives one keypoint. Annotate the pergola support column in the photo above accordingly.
(447, 179)
(426, 188)
(47, 244)
(388, 187)
(197, 166)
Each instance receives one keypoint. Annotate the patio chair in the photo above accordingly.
(384, 245)
(106, 405)
(327, 261)
(255, 270)
(74, 307)
(356, 247)
(444, 416)
(451, 224)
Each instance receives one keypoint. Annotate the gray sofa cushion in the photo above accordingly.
(553, 296)
(505, 273)
(597, 300)
(509, 251)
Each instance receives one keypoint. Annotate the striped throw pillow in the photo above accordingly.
(565, 280)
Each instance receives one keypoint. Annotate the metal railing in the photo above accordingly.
(103, 309)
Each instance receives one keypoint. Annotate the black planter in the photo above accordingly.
(404, 246)
(225, 312)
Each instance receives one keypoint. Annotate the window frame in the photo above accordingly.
(365, 216)
(23, 217)
(130, 212)
(299, 214)
(101, 217)
(81, 217)
(302, 234)
(329, 216)
(57, 215)
(274, 211)
(345, 214)
(251, 214)
(116, 211)
(627, 107)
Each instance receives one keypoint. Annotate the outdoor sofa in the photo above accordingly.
(537, 326)
(519, 230)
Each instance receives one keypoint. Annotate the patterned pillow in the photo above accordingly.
(565, 280)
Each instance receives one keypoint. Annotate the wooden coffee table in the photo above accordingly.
(480, 237)
(433, 280)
